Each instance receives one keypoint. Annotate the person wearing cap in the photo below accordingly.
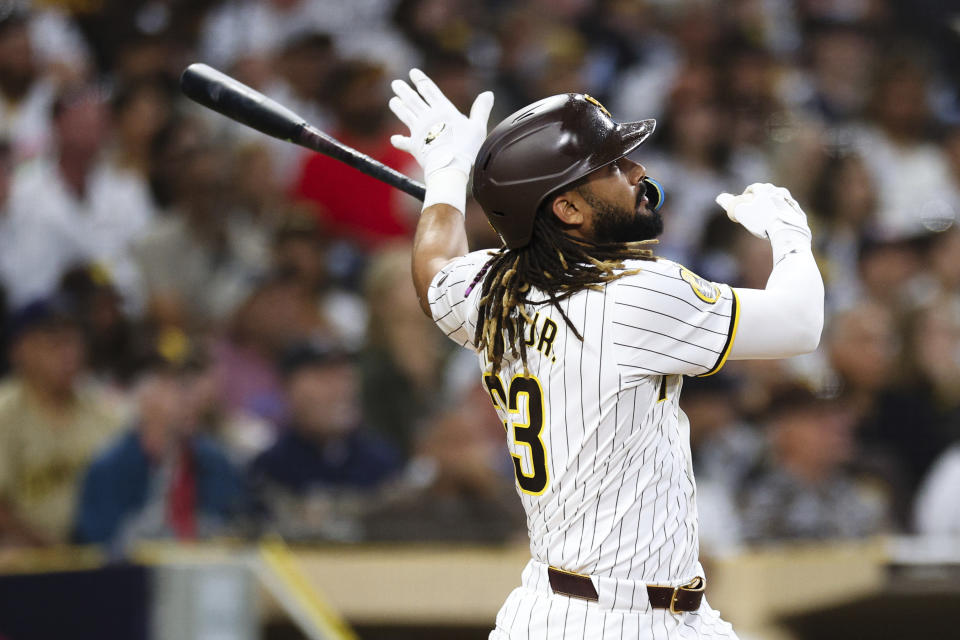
(806, 489)
(324, 452)
(51, 425)
(164, 477)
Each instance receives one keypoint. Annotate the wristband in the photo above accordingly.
(787, 239)
(447, 186)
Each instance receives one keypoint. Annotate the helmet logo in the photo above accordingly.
(596, 102)
(435, 132)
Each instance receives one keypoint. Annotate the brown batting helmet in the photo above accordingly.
(541, 148)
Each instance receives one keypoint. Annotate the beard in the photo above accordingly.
(614, 223)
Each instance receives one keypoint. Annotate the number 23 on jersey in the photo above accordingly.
(522, 402)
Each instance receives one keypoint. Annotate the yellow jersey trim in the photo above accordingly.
(734, 321)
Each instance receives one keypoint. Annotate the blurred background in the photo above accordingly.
(223, 415)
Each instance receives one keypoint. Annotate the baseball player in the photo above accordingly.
(583, 337)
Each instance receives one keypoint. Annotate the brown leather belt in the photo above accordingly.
(686, 597)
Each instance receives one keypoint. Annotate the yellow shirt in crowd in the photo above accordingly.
(44, 455)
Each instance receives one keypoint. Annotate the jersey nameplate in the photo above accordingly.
(542, 332)
(704, 289)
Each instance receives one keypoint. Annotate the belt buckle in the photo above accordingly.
(673, 601)
(697, 584)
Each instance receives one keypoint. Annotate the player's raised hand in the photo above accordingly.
(440, 136)
(763, 208)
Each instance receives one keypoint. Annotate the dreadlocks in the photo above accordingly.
(558, 265)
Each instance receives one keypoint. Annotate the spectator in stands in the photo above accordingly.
(137, 39)
(725, 447)
(352, 205)
(929, 394)
(278, 313)
(73, 207)
(750, 104)
(920, 197)
(325, 453)
(844, 200)
(200, 261)
(630, 58)
(303, 67)
(139, 109)
(51, 425)
(305, 64)
(439, 27)
(889, 268)
(842, 58)
(696, 148)
(460, 485)
(302, 253)
(108, 331)
(805, 492)
(865, 350)
(163, 478)
(6, 174)
(259, 194)
(244, 36)
(25, 93)
(401, 386)
(725, 450)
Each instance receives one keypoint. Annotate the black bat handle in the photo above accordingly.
(313, 138)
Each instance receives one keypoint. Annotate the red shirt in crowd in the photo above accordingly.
(352, 204)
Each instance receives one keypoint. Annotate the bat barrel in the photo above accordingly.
(218, 91)
(225, 95)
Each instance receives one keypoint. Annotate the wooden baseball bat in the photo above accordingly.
(218, 91)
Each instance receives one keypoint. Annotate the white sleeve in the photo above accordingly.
(453, 296)
(786, 318)
(936, 511)
(668, 320)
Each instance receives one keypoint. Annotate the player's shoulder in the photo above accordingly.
(654, 265)
(465, 267)
(666, 275)
(455, 293)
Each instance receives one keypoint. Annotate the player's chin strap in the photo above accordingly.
(655, 195)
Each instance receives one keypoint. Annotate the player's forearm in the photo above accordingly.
(440, 238)
(445, 144)
(786, 318)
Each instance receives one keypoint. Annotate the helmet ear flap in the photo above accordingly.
(655, 195)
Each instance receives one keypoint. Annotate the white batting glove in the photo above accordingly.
(443, 141)
(763, 209)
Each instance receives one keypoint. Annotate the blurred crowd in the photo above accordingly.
(209, 333)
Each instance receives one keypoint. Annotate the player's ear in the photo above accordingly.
(569, 208)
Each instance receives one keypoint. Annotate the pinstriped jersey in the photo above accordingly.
(600, 447)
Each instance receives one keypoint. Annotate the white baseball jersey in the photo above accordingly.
(600, 446)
